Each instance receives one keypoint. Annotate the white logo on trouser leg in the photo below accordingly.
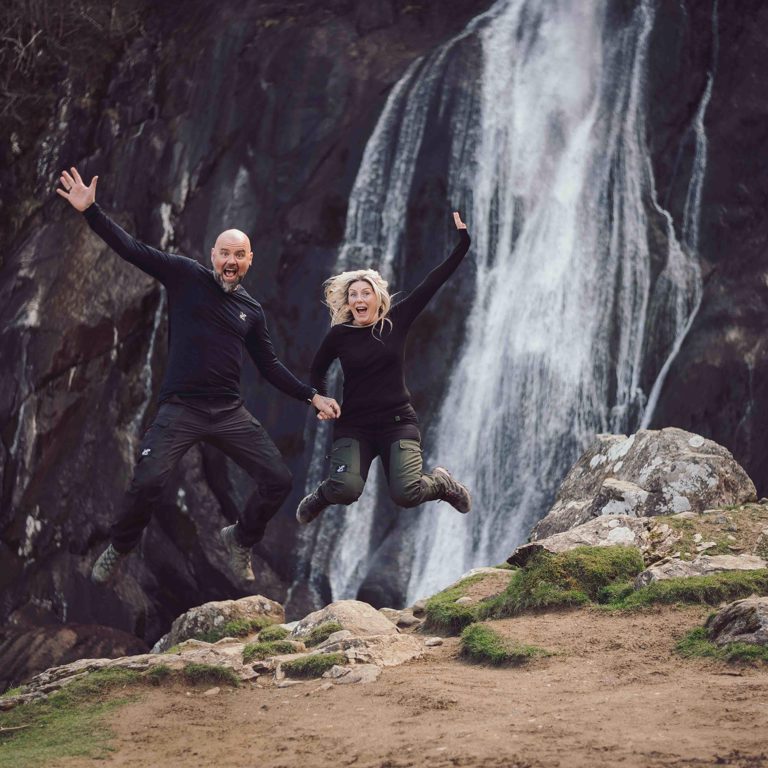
(146, 452)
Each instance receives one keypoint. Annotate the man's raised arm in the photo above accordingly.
(156, 263)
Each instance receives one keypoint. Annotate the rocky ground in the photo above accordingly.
(614, 693)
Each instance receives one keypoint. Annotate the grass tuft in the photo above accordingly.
(254, 651)
(158, 674)
(442, 614)
(210, 674)
(709, 590)
(235, 628)
(571, 578)
(697, 644)
(321, 633)
(273, 632)
(483, 644)
(313, 666)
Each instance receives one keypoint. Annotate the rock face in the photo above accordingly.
(744, 621)
(649, 473)
(29, 651)
(215, 615)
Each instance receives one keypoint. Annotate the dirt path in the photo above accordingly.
(616, 695)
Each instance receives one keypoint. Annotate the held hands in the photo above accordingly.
(457, 221)
(74, 190)
(327, 407)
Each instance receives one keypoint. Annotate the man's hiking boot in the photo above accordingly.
(106, 566)
(452, 491)
(238, 556)
(311, 506)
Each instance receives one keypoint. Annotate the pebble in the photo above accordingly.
(289, 683)
(464, 600)
(265, 707)
(212, 692)
(432, 642)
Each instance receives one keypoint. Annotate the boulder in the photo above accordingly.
(744, 621)
(652, 472)
(703, 565)
(359, 618)
(381, 650)
(212, 616)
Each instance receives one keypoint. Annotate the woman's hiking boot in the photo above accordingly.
(311, 506)
(452, 491)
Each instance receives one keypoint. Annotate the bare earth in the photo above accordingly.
(615, 695)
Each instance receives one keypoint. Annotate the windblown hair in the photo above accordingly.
(336, 290)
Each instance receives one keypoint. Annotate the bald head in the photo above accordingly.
(230, 257)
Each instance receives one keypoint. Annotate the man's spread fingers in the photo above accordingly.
(76, 175)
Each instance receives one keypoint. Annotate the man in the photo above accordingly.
(211, 318)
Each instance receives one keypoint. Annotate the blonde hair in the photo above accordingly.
(336, 290)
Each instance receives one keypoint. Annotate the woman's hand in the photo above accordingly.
(74, 190)
(457, 221)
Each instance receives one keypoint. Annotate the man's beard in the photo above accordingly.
(225, 286)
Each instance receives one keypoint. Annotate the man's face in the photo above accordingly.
(230, 257)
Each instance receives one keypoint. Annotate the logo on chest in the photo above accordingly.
(243, 316)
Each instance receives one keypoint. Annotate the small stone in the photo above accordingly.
(433, 642)
(337, 637)
(407, 619)
(464, 600)
(697, 537)
(730, 537)
(323, 687)
(763, 501)
(336, 671)
(212, 692)
(289, 683)
(419, 607)
(265, 707)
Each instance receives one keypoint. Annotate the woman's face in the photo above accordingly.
(361, 300)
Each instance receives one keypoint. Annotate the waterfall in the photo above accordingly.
(574, 313)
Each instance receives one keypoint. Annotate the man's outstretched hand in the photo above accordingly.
(327, 407)
(74, 190)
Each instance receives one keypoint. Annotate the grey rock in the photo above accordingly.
(743, 621)
(212, 692)
(419, 607)
(599, 532)
(359, 618)
(360, 673)
(703, 565)
(464, 600)
(210, 616)
(433, 642)
(336, 671)
(652, 472)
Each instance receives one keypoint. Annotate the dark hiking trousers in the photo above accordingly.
(401, 458)
(223, 423)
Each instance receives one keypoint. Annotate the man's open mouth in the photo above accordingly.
(229, 272)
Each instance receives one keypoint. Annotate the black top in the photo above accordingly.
(374, 385)
(207, 326)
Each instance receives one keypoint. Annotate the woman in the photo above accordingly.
(368, 336)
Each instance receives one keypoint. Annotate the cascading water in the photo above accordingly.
(573, 311)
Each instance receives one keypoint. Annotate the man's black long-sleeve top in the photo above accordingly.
(208, 327)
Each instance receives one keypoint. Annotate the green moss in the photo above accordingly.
(321, 633)
(313, 666)
(571, 578)
(11, 692)
(235, 628)
(210, 674)
(442, 614)
(68, 724)
(173, 649)
(482, 644)
(273, 632)
(254, 651)
(697, 644)
(709, 590)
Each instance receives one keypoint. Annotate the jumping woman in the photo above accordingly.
(368, 335)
